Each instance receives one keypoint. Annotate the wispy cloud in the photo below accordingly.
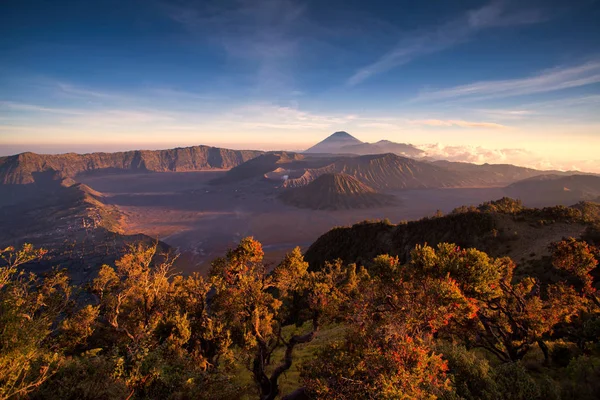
(459, 30)
(13, 106)
(266, 33)
(76, 91)
(266, 115)
(506, 113)
(589, 100)
(457, 123)
(545, 81)
(378, 125)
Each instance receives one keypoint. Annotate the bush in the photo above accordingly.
(514, 383)
(83, 379)
(505, 205)
(583, 379)
(471, 376)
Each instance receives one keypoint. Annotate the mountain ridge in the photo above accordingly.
(22, 168)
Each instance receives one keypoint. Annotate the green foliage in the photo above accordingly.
(85, 378)
(449, 323)
(577, 258)
(476, 273)
(514, 382)
(30, 311)
(472, 377)
(583, 378)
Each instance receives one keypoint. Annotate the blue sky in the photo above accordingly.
(497, 81)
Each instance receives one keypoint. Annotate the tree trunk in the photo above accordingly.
(270, 387)
(545, 350)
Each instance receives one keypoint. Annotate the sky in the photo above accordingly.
(479, 81)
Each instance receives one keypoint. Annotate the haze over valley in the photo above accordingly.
(202, 200)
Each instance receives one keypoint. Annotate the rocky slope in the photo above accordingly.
(26, 167)
(335, 192)
(73, 222)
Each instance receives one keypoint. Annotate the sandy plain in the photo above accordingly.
(203, 220)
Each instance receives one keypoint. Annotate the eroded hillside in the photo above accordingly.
(334, 192)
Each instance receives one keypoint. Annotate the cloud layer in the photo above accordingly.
(515, 156)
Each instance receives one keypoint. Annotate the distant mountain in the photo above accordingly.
(334, 143)
(556, 189)
(380, 171)
(344, 143)
(25, 168)
(335, 192)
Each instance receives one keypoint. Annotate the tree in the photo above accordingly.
(387, 353)
(245, 301)
(578, 259)
(157, 322)
(510, 317)
(256, 305)
(30, 310)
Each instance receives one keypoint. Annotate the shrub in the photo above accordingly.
(471, 376)
(583, 379)
(514, 383)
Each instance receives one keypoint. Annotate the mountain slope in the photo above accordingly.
(334, 143)
(335, 192)
(495, 174)
(24, 168)
(384, 172)
(74, 223)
